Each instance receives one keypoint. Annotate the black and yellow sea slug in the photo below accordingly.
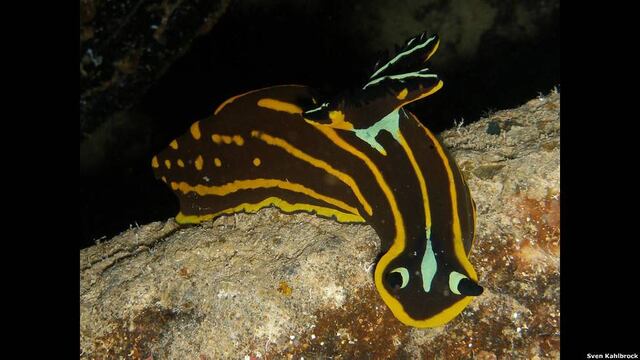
(357, 157)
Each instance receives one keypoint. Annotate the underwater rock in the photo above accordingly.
(126, 45)
(271, 285)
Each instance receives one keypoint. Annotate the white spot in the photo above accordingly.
(313, 336)
(367, 267)
(292, 337)
(458, 125)
(335, 293)
(95, 59)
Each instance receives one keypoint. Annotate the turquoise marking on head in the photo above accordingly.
(423, 73)
(404, 273)
(390, 123)
(454, 280)
(404, 53)
(428, 266)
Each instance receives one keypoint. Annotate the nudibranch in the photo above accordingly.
(357, 157)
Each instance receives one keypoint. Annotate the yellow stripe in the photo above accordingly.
(458, 245)
(398, 246)
(473, 240)
(237, 185)
(230, 100)
(452, 311)
(432, 51)
(277, 202)
(281, 143)
(437, 87)
(420, 176)
(278, 105)
(399, 240)
(234, 98)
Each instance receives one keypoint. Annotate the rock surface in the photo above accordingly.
(271, 285)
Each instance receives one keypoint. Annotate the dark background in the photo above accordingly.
(330, 45)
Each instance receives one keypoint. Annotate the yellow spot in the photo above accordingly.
(238, 140)
(167, 163)
(174, 145)
(216, 138)
(284, 288)
(199, 162)
(251, 184)
(278, 105)
(180, 163)
(164, 179)
(402, 94)
(154, 162)
(338, 122)
(257, 162)
(336, 116)
(195, 130)
(174, 185)
(226, 139)
(217, 162)
(278, 203)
